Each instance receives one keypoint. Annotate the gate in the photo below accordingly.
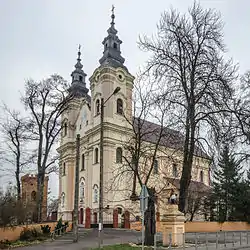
(107, 218)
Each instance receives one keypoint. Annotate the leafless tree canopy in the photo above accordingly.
(196, 81)
(46, 101)
(16, 155)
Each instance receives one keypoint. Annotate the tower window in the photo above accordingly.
(119, 155)
(62, 199)
(119, 106)
(82, 190)
(201, 176)
(33, 196)
(83, 162)
(155, 166)
(97, 106)
(95, 193)
(80, 78)
(64, 169)
(96, 155)
(175, 171)
(115, 45)
(65, 129)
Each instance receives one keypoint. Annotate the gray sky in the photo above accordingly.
(39, 38)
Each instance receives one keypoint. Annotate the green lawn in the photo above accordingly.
(122, 247)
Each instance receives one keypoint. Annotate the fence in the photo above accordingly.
(204, 241)
(58, 232)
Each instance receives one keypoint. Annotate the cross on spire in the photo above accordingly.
(79, 51)
(113, 15)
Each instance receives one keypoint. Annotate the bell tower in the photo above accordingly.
(112, 73)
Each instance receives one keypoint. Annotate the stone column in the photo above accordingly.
(172, 222)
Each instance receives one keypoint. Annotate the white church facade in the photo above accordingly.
(83, 117)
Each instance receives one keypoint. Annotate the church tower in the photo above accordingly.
(110, 75)
(70, 129)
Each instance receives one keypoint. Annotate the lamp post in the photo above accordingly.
(101, 168)
(76, 198)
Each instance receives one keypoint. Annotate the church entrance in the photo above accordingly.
(81, 216)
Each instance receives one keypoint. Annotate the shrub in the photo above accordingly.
(4, 244)
(29, 234)
(46, 229)
(59, 226)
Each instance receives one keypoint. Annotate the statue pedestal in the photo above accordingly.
(173, 226)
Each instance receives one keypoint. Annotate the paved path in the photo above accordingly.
(88, 239)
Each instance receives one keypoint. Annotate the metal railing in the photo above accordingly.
(203, 241)
(58, 232)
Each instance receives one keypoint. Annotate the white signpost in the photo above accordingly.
(143, 207)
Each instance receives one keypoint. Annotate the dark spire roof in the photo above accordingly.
(78, 85)
(112, 53)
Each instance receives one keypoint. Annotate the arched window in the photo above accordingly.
(95, 193)
(80, 78)
(96, 155)
(65, 129)
(119, 155)
(62, 199)
(82, 190)
(64, 169)
(33, 196)
(97, 107)
(174, 171)
(201, 176)
(156, 166)
(115, 45)
(83, 163)
(119, 106)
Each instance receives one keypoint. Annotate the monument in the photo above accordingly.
(173, 226)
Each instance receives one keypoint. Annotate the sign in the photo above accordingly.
(143, 206)
(144, 198)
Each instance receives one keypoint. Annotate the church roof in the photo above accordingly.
(194, 186)
(170, 138)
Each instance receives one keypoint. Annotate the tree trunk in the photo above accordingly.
(40, 188)
(150, 224)
(18, 184)
(187, 159)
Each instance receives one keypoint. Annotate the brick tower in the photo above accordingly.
(29, 192)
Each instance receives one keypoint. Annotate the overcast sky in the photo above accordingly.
(39, 38)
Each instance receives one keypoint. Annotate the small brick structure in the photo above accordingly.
(157, 216)
(126, 219)
(87, 217)
(29, 193)
(115, 218)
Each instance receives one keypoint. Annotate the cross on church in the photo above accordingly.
(79, 47)
(113, 9)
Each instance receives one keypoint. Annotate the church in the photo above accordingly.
(113, 83)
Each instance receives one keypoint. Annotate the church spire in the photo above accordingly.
(112, 53)
(78, 84)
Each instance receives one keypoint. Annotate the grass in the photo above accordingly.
(19, 243)
(122, 247)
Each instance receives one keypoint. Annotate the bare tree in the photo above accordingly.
(16, 137)
(46, 101)
(187, 62)
(196, 201)
(144, 158)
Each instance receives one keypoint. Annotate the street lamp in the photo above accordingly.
(101, 167)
